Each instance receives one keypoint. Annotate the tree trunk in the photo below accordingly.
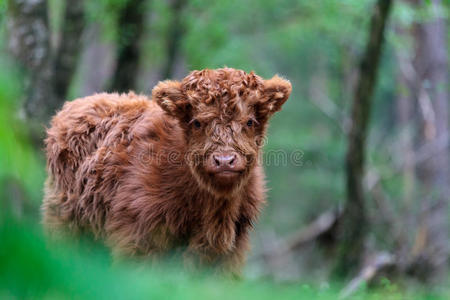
(353, 227)
(131, 25)
(49, 71)
(406, 121)
(174, 37)
(431, 66)
(69, 48)
(29, 41)
(100, 53)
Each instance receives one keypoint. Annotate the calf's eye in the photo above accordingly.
(250, 123)
(197, 124)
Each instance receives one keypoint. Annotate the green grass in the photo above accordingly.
(31, 267)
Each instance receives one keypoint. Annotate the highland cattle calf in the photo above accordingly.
(180, 171)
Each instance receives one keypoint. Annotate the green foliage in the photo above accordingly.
(105, 13)
(33, 268)
(19, 162)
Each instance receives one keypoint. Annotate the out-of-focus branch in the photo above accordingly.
(424, 153)
(322, 225)
(319, 98)
(319, 227)
(328, 108)
(423, 97)
(377, 263)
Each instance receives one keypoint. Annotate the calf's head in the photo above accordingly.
(224, 114)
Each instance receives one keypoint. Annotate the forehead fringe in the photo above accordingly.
(225, 87)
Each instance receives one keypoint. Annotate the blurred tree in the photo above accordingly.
(406, 114)
(30, 43)
(130, 28)
(174, 36)
(67, 55)
(431, 248)
(50, 67)
(354, 223)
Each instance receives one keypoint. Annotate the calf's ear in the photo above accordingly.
(275, 92)
(170, 97)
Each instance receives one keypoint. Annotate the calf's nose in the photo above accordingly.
(227, 160)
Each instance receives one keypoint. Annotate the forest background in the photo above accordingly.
(357, 162)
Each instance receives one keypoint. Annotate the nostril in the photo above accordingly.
(231, 162)
(216, 160)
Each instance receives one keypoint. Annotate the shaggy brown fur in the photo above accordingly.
(179, 171)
